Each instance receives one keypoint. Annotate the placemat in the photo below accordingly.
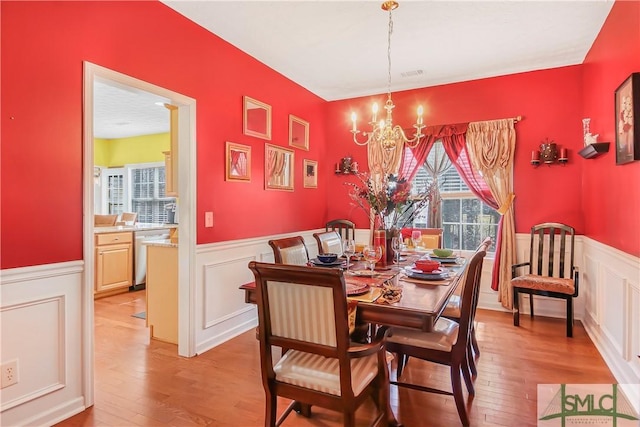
(371, 296)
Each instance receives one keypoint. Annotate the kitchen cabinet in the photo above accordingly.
(171, 156)
(162, 290)
(113, 263)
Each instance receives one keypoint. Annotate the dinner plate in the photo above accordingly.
(364, 273)
(440, 274)
(357, 288)
(319, 263)
(447, 260)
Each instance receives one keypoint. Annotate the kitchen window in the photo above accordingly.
(147, 191)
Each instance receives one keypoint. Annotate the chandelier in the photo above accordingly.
(384, 133)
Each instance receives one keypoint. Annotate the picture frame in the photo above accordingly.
(237, 162)
(256, 118)
(278, 168)
(310, 171)
(627, 102)
(298, 133)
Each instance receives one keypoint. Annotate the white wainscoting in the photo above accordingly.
(41, 329)
(611, 284)
(221, 312)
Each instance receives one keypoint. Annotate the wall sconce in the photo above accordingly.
(549, 154)
(346, 166)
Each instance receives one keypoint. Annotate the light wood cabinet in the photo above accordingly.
(171, 157)
(162, 292)
(113, 263)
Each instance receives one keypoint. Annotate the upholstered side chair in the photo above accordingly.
(290, 250)
(550, 271)
(447, 344)
(345, 228)
(304, 310)
(329, 242)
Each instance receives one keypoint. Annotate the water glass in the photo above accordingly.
(349, 250)
(396, 245)
(372, 254)
(416, 237)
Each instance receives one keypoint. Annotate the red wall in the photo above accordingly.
(44, 45)
(550, 103)
(611, 194)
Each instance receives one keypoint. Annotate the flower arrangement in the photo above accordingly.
(391, 200)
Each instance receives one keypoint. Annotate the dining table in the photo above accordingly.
(394, 298)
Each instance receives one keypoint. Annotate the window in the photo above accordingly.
(466, 220)
(147, 191)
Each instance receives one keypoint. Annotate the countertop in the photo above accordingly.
(164, 243)
(134, 228)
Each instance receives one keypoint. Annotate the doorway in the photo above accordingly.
(186, 214)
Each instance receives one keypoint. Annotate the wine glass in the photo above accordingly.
(372, 254)
(396, 245)
(416, 237)
(349, 250)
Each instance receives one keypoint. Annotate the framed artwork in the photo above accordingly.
(310, 174)
(238, 162)
(298, 132)
(256, 118)
(627, 100)
(278, 168)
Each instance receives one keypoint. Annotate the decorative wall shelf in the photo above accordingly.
(592, 151)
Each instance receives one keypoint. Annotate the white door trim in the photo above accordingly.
(187, 215)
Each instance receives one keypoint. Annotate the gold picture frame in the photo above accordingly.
(298, 133)
(310, 170)
(256, 118)
(237, 162)
(278, 168)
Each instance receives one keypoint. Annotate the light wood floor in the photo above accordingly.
(143, 383)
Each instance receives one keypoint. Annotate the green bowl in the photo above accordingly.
(443, 253)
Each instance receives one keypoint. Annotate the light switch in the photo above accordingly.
(208, 219)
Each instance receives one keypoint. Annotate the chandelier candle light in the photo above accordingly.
(388, 136)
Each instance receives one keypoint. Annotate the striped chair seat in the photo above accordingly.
(545, 283)
(442, 338)
(452, 309)
(322, 374)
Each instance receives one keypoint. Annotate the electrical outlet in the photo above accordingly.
(9, 372)
(208, 219)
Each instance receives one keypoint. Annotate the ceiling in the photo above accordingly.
(338, 49)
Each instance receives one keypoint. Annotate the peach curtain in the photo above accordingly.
(491, 147)
(276, 167)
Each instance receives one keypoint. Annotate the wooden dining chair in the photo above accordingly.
(304, 310)
(452, 311)
(329, 242)
(104, 220)
(290, 250)
(447, 344)
(345, 228)
(550, 271)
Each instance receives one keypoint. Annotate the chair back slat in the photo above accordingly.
(562, 252)
(345, 228)
(544, 258)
